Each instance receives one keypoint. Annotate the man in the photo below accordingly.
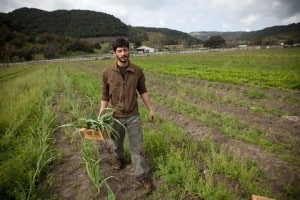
(120, 84)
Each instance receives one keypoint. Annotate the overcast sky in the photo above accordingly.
(182, 15)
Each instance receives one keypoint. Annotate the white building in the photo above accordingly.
(145, 49)
(243, 46)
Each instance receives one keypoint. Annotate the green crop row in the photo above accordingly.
(184, 167)
(27, 124)
(278, 68)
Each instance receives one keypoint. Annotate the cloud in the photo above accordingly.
(187, 16)
(145, 5)
(250, 13)
(292, 19)
(250, 20)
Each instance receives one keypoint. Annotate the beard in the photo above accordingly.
(123, 59)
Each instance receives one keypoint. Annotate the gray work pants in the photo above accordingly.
(133, 128)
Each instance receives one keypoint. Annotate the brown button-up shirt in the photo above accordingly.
(122, 93)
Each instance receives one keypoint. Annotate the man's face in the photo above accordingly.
(122, 54)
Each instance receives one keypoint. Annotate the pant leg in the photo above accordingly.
(118, 141)
(135, 136)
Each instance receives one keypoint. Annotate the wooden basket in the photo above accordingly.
(256, 197)
(91, 134)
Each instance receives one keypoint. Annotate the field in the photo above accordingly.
(227, 126)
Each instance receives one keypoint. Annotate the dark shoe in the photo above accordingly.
(120, 164)
(147, 184)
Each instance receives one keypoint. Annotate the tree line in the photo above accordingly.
(17, 44)
(73, 23)
(27, 33)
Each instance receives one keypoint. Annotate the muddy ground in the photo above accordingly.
(70, 181)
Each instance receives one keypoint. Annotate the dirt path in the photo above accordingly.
(280, 130)
(123, 182)
(275, 99)
(69, 179)
(277, 129)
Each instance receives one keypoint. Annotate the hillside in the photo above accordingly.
(287, 31)
(73, 23)
(205, 35)
(278, 33)
(18, 44)
(94, 26)
(160, 37)
(30, 33)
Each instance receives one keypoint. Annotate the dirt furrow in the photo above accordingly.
(272, 98)
(279, 172)
(68, 178)
(122, 182)
(277, 129)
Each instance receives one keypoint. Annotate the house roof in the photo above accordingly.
(144, 47)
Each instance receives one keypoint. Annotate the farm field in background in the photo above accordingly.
(227, 127)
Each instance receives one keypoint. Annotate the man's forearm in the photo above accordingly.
(103, 105)
(146, 99)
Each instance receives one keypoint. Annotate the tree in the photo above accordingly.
(97, 46)
(215, 42)
(137, 36)
(289, 41)
(270, 41)
(257, 41)
(50, 50)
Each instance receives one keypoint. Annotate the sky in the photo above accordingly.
(182, 15)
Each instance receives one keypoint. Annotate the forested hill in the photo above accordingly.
(165, 31)
(283, 33)
(291, 31)
(158, 36)
(92, 24)
(73, 23)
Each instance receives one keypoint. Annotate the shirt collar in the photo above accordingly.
(129, 68)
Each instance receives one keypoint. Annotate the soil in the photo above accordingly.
(70, 181)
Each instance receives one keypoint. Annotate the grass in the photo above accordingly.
(277, 68)
(214, 92)
(84, 106)
(184, 167)
(230, 126)
(192, 169)
(28, 119)
(91, 157)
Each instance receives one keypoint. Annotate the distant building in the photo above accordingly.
(243, 46)
(174, 47)
(145, 49)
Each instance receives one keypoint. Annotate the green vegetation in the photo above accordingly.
(288, 34)
(160, 37)
(19, 45)
(27, 118)
(198, 169)
(91, 159)
(73, 23)
(33, 34)
(193, 86)
(277, 68)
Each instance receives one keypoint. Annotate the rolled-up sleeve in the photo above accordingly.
(141, 86)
